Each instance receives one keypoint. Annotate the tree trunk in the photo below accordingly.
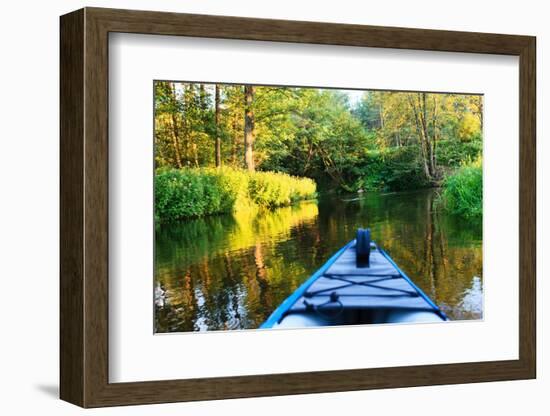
(477, 103)
(175, 129)
(217, 120)
(434, 134)
(235, 140)
(426, 134)
(196, 154)
(187, 128)
(421, 138)
(249, 132)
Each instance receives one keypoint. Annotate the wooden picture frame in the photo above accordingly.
(84, 207)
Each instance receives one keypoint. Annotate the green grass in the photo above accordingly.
(189, 192)
(463, 190)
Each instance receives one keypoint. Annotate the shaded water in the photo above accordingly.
(232, 271)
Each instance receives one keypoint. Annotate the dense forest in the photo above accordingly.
(345, 141)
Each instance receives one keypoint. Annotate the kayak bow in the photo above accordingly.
(359, 284)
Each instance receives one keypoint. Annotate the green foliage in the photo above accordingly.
(317, 136)
(384, 140)
(270, 189)
(463, 190)
(190, 192)
(453, 153)
(393, 169)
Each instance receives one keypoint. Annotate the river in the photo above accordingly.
(232, 271)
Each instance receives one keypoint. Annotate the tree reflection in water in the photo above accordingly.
(232, 271)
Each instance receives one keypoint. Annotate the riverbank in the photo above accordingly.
(198, 192)
(460, 192)
(400, 168)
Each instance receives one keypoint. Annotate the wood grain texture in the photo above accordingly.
(84, 206)
(96, 208)
(162, 23)
(527, 207)
(71, 100)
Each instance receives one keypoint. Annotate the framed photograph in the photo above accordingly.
(255, 207)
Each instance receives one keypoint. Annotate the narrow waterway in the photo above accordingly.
(232, 271)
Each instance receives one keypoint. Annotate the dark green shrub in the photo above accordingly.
(393, 169)
(453, 153)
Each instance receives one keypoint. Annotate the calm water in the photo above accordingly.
(232, 271)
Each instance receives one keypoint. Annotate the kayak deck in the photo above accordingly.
(341, 293)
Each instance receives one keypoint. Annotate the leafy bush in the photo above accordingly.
(463, 190)
(179, 193)
(453, 153)
(403, 169)
(270, 189)
(400, 168)
(393, 169)
(186, 193)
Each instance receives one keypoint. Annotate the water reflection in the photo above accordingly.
(232, 271)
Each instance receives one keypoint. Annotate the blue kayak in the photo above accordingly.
(359, 285)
